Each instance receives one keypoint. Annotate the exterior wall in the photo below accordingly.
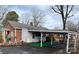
(27, 36)
(8, 27)
(18, 33)
(3, 35)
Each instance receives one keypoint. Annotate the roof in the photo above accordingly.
(35, 29)
(21, 25)
(52, 31)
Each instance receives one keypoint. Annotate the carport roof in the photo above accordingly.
(52, 31)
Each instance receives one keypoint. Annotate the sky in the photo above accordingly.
(52, 19)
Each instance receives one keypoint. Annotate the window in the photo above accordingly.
(36, 34)
(33, 35)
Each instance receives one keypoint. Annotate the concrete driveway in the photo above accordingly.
(30, 50)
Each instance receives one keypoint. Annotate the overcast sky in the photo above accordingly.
(52, 19)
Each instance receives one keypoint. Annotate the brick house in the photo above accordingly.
(12, 30)
(15, 32)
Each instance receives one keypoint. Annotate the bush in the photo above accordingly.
(0, 38)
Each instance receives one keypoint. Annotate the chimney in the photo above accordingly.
(31, 23)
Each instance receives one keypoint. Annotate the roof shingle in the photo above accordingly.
(21, 25)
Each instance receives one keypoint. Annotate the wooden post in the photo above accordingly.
(75, 42)
(41, 39)
(15, 34)
(51, 41)
(67, 46)
(3, 33)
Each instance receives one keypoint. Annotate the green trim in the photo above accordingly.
(37, 44)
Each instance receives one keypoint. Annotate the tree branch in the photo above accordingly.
(55, 10)
(70, 10)
(3, 15)
(62, 12)
(70, 16)
(66, 12)
(58, 8)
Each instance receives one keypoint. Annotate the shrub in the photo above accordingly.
(0, 38)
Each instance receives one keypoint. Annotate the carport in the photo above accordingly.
(66, 33)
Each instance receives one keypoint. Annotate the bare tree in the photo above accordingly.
(78, 26)
(64, 11)
(71, 26)
(3, 10)
(35, 16)
(26, 18)
(38, 17)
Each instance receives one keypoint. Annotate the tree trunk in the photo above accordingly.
(64, 26)
(64, 23)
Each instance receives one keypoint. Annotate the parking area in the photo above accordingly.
(30, 50)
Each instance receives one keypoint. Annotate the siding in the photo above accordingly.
(27, 36)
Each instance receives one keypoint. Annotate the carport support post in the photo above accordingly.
(51, 41)
(67, 45)
(15, 34)
(75, 42)
(3, 33)
(41, 39)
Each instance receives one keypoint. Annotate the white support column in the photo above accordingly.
(67, 46)
(41, 39)
(51, 41)
(15, 34)
(75, 42)
(3, 33)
